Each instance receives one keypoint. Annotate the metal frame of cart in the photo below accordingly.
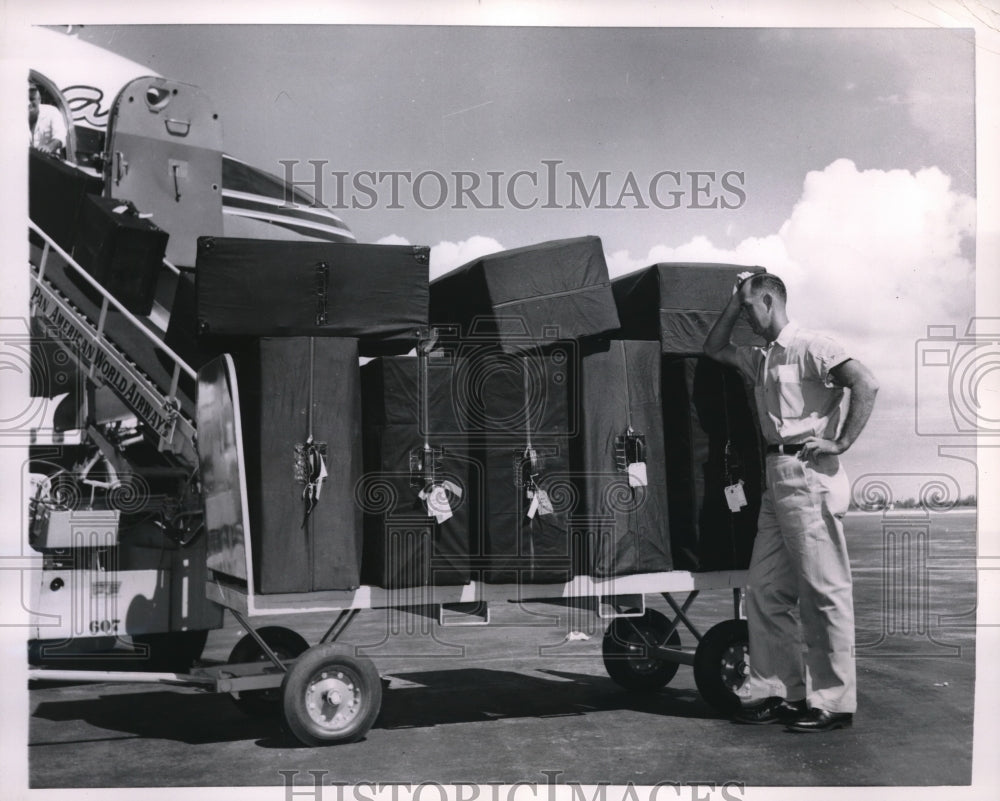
(327, 693)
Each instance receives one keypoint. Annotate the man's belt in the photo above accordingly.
(789, 449)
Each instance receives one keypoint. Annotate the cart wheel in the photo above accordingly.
(624, 651)
(287, 645)
(720, 664)
(329, 695)
(172, 651)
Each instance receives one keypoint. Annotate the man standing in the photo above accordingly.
(46, 127)
(800, 554)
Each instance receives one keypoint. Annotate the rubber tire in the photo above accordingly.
(359, 675)
(623, 655)
(287, 644)
(719, 668)
(172, 651)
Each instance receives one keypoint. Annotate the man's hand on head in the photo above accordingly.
(741, 279)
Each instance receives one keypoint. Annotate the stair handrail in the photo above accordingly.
(110, 300)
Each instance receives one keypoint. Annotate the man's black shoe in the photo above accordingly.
(771, 710)
(821, 720)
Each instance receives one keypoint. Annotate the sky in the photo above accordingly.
(860, 180)
(841, 159)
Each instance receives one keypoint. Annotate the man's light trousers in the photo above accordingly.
(800, 572)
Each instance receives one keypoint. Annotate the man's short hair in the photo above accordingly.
(768, 282)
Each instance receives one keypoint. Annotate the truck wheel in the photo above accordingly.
(625, 656)
(287, 644)
(329, 695)
(720, 664)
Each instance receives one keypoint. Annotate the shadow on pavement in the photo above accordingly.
(442, 697)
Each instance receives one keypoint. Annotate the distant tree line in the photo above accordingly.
(915, 503)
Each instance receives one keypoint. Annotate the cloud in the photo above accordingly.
(446, 256)
(768, 250)
(879, 253)
(873, 256)
(393, 239)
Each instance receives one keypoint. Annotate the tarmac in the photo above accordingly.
(527, 699)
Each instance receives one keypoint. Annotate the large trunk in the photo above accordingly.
(711, 442)
(624, 515)
(416, 491)
(301, 407)
(677, 305)
(529, 296)
(56, 191)
(705, 409)
(376, 293)
(521, 415)
(121, 250)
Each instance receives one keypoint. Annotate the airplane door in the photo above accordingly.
(165, 155)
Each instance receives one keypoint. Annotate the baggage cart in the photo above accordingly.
(327, 693)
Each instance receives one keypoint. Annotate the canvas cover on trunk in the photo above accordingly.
(417, 502)
(520, 415)
(121, 250)
(530, 296)
(711, 440)
(301, 407)
(623, 470)
(677, 305)
(376, 293)
(56, 191)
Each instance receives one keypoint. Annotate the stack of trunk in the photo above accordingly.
(559, 420)
(57, 191)
(710, 429)
(296, 315)
(550, 424)
(419, 484)
(119, 247)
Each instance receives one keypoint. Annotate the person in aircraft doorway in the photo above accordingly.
(46, 127)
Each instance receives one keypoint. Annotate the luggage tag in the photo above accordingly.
(735, 496)
(637, 475)
(310, 470)
(540, 504)
(635, 453)
(437, 501)
(630, 453)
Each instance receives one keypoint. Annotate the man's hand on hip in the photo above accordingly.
(814, 446)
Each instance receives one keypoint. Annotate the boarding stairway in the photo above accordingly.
(116, 349)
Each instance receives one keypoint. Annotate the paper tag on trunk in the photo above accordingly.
(533, 506)
(735, 496)
(544, 504)
(437, 502)
(438, 505)
(540, 503)
(637, 474)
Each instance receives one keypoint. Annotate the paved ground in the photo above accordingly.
(513, 701)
